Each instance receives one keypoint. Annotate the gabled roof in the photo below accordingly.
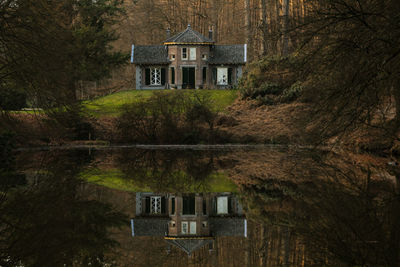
(150, 54)
(189, 245)
(149, 226)
(188, 36)
(228, 54)
(228, 226)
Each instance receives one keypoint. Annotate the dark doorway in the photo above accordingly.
(188, 78)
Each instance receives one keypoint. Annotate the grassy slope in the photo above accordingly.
(112, 104)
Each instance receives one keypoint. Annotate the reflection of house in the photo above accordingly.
(188, 60)
(188, 221)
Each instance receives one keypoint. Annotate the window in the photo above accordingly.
(172, 75)
(155, 76)
(204, 75)
(173, 205)
(222, 205)
(204, 207)
(192, 53)
(184, 53)
(172, 224)
(172, 57)
(204, 57)
(222, 76)
(189, 205)
(188, 228)
(185, 228)
(155, 205)
(204, 224)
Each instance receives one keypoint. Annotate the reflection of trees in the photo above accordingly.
(55, 221)
(167, 170)
(342, 212)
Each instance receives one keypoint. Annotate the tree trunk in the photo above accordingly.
(264, 28)
(396, 95)
(285, 41)
(247, 23)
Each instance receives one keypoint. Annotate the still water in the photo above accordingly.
(197, 206)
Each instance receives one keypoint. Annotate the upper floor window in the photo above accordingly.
(172, 57)
(192, 54)
(184, 53)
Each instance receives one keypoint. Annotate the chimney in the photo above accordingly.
(210, 33)
(168, 32)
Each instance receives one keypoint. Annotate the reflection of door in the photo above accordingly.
(222, 205)
(188, 77)
(189, 205)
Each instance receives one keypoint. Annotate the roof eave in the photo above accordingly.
(188, 43)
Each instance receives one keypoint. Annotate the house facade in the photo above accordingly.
(188, 60)
(189, 221)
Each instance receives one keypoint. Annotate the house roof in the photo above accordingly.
(150, 226)
(188, 36)
(189, 245)
(150, 54)
(227, 54)
(228, 226)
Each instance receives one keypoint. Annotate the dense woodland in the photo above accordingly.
(334, 56)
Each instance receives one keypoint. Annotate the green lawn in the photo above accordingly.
(112, 104)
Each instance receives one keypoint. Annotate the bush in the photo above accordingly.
(271, 81)
(167, 117)
(71, 123)
(292, 93)
(11, 99)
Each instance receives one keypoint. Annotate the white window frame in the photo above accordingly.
(184, 54)
(222, 76)
(192, 53)
(155, 205)
(185, 228)
(222, 205)
(155, 76)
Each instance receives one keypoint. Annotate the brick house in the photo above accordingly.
(189, 221)
(188, 60)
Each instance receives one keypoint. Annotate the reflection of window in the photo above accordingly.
(192, 54)
(222, 76)
(222, 205)
(155, 76)
(185, 227)
(155, 205)
(188, 228)
(172, 75)
(184, 53)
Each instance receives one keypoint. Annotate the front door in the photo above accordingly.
(188, 78)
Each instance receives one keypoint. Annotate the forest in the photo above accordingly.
(333, 59)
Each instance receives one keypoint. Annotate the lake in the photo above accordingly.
(198, 206)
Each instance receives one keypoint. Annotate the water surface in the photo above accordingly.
(197, 206)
